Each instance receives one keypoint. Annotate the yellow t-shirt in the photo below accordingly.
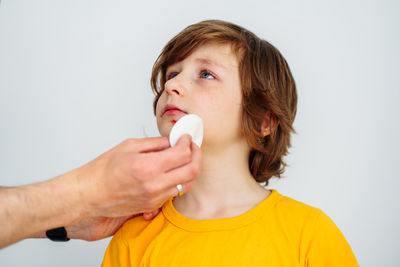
(279, 231)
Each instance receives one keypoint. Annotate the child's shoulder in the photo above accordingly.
(298, 216)
(320, 239)
(293, 210)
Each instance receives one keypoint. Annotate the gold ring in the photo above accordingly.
(180, 189)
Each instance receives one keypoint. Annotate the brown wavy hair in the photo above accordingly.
(268, 89)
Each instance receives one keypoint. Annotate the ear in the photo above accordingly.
(269, 124)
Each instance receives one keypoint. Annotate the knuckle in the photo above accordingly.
(151, 190)
(129, 141)
(194, 170)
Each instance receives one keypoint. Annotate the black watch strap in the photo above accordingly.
(57, 234)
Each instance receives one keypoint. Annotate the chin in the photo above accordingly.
(164, 130)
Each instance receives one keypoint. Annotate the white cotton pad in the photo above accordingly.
(189, 124)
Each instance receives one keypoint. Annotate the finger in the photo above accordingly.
(173, 191)
(186, 173)
(186, 176)
(151, 144)
(151, 215)
(187, 187)
(173, 157)
(160, 143)
(148, 216)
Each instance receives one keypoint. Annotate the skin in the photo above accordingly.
(207, 83)
(93, 201)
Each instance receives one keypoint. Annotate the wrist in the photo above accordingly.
(76, 204)
(41, 234)
(85, 192)
(63, 201)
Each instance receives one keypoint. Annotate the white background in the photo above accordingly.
(74, 82)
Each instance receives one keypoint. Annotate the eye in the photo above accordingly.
(172, 75)
(205, 74)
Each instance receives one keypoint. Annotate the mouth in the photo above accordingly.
(171, 110)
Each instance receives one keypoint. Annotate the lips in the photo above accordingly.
(172, 110)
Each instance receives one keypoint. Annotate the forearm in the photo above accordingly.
(27, 210)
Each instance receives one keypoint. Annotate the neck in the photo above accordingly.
(225, 186)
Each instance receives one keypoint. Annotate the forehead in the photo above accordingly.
(219, 55)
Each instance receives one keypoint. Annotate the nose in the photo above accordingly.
(175, 86)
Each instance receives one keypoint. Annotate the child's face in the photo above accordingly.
(205, 83)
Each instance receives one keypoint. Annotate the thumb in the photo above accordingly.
(184, 140)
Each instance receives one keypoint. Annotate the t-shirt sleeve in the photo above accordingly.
(117, 253)
(328, 246)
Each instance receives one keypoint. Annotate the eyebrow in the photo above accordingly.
(209, 62)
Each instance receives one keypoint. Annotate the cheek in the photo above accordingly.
(221, 116)
(162, 127)
(160, 104)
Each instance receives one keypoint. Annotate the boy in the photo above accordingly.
(242, 88)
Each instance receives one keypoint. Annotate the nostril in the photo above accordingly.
(175, 91)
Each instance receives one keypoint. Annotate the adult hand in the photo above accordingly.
(137, 176)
